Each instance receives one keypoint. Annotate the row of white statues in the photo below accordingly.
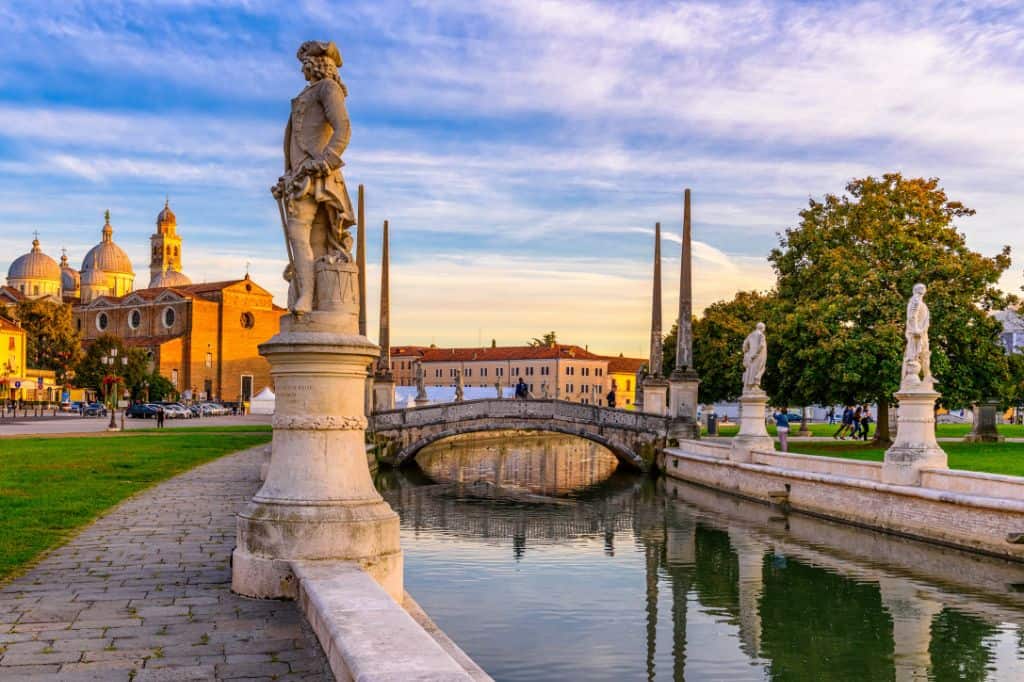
(917, 374)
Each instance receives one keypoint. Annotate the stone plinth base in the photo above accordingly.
(984, 428)
(655, 396)
(383, 392)
(682, 391)
(915, 447)
(318, 501)
(753, 434)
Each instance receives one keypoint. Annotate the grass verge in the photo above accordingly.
(992, 458)
(237, 428)
(51, 487)
(826, 430)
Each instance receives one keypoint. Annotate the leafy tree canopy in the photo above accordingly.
(844, 276)
(549, 339)
(51, 339)
(91, 370)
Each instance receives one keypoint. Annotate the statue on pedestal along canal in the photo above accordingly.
(318, 502)
(755, 357)
(917, 358)
(314, 202)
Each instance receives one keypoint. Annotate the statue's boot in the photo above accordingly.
(304, 280)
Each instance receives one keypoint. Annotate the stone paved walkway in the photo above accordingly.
(144, 594)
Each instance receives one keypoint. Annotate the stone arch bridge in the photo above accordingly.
(634, 437)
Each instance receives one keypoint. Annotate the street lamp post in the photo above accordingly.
(112, 383)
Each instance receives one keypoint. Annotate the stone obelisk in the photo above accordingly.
(655, 387)
(916, 447)
(683, 382)
(361, 262)
(383, 379)
(318, 502)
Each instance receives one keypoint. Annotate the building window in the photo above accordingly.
(451, 372)
(568, 388)
(545, 371)
(600, 371)
(102, 322)
(248, 320)
(209, 359)
(134, 319)
(529, 371)
(483, 371)
(35, 289)
(78, 324)
(469, 372)
(174, 378)
(168, 317)
(438, 373)
(499, 371)
(570, 371)
(515, 371)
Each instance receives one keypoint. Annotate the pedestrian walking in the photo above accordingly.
(856, 423)
(847, 423)
(831, 415)
(522, 390)
(160, 417)
(782, 428)
(865, 421)
(611, 397)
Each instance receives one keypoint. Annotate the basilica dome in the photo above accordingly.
(69, 277)
(169, 278)
(34, 265)
(107, 256)
(93, 278)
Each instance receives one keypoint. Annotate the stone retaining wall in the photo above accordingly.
(980, 512)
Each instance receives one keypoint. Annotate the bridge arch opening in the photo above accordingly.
(626, 457)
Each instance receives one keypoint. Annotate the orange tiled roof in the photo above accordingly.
(408, 351)
(9, 326)
(564, 351)
(13, 293)
(625, 365)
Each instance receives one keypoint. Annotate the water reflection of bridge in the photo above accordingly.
(457, 508)
(803, 594)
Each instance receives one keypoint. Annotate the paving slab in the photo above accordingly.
(144, 593)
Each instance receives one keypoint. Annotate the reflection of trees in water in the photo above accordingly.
(808, 609)
(546, 464)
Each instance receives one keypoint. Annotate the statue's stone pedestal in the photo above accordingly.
(915, 447)
(655, 392)
(682, 391)
(753, 434)
(383, 392)
(318, 501)
(984, 428)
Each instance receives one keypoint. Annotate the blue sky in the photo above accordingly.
(521, 150)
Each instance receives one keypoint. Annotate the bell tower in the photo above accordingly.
(165, 244)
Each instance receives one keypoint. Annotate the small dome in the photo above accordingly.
(169, 278)
(166, 217)
(69, 277)
(34, 265)
(107, 256)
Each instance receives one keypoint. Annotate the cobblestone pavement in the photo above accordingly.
(144, 594)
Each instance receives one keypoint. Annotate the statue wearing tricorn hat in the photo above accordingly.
(314, 203)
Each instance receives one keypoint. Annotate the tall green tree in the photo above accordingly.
(51, 339)
(718, 344)
(91, 369)
(844, 276)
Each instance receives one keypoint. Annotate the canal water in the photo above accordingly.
(544, 560)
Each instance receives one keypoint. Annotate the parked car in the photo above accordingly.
(95, 410)
(213, 409)
(142, 411)
(175, 411)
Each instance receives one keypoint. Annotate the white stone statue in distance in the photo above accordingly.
(755, 357)
(917, 366)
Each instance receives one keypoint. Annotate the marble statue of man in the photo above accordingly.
(459, 389)
(917, 358)
(755, 357)
(421, 388)
(315, 204)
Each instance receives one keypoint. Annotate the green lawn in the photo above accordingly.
(993, 458)
(50, 487)
(238, 428)
(941, 430)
